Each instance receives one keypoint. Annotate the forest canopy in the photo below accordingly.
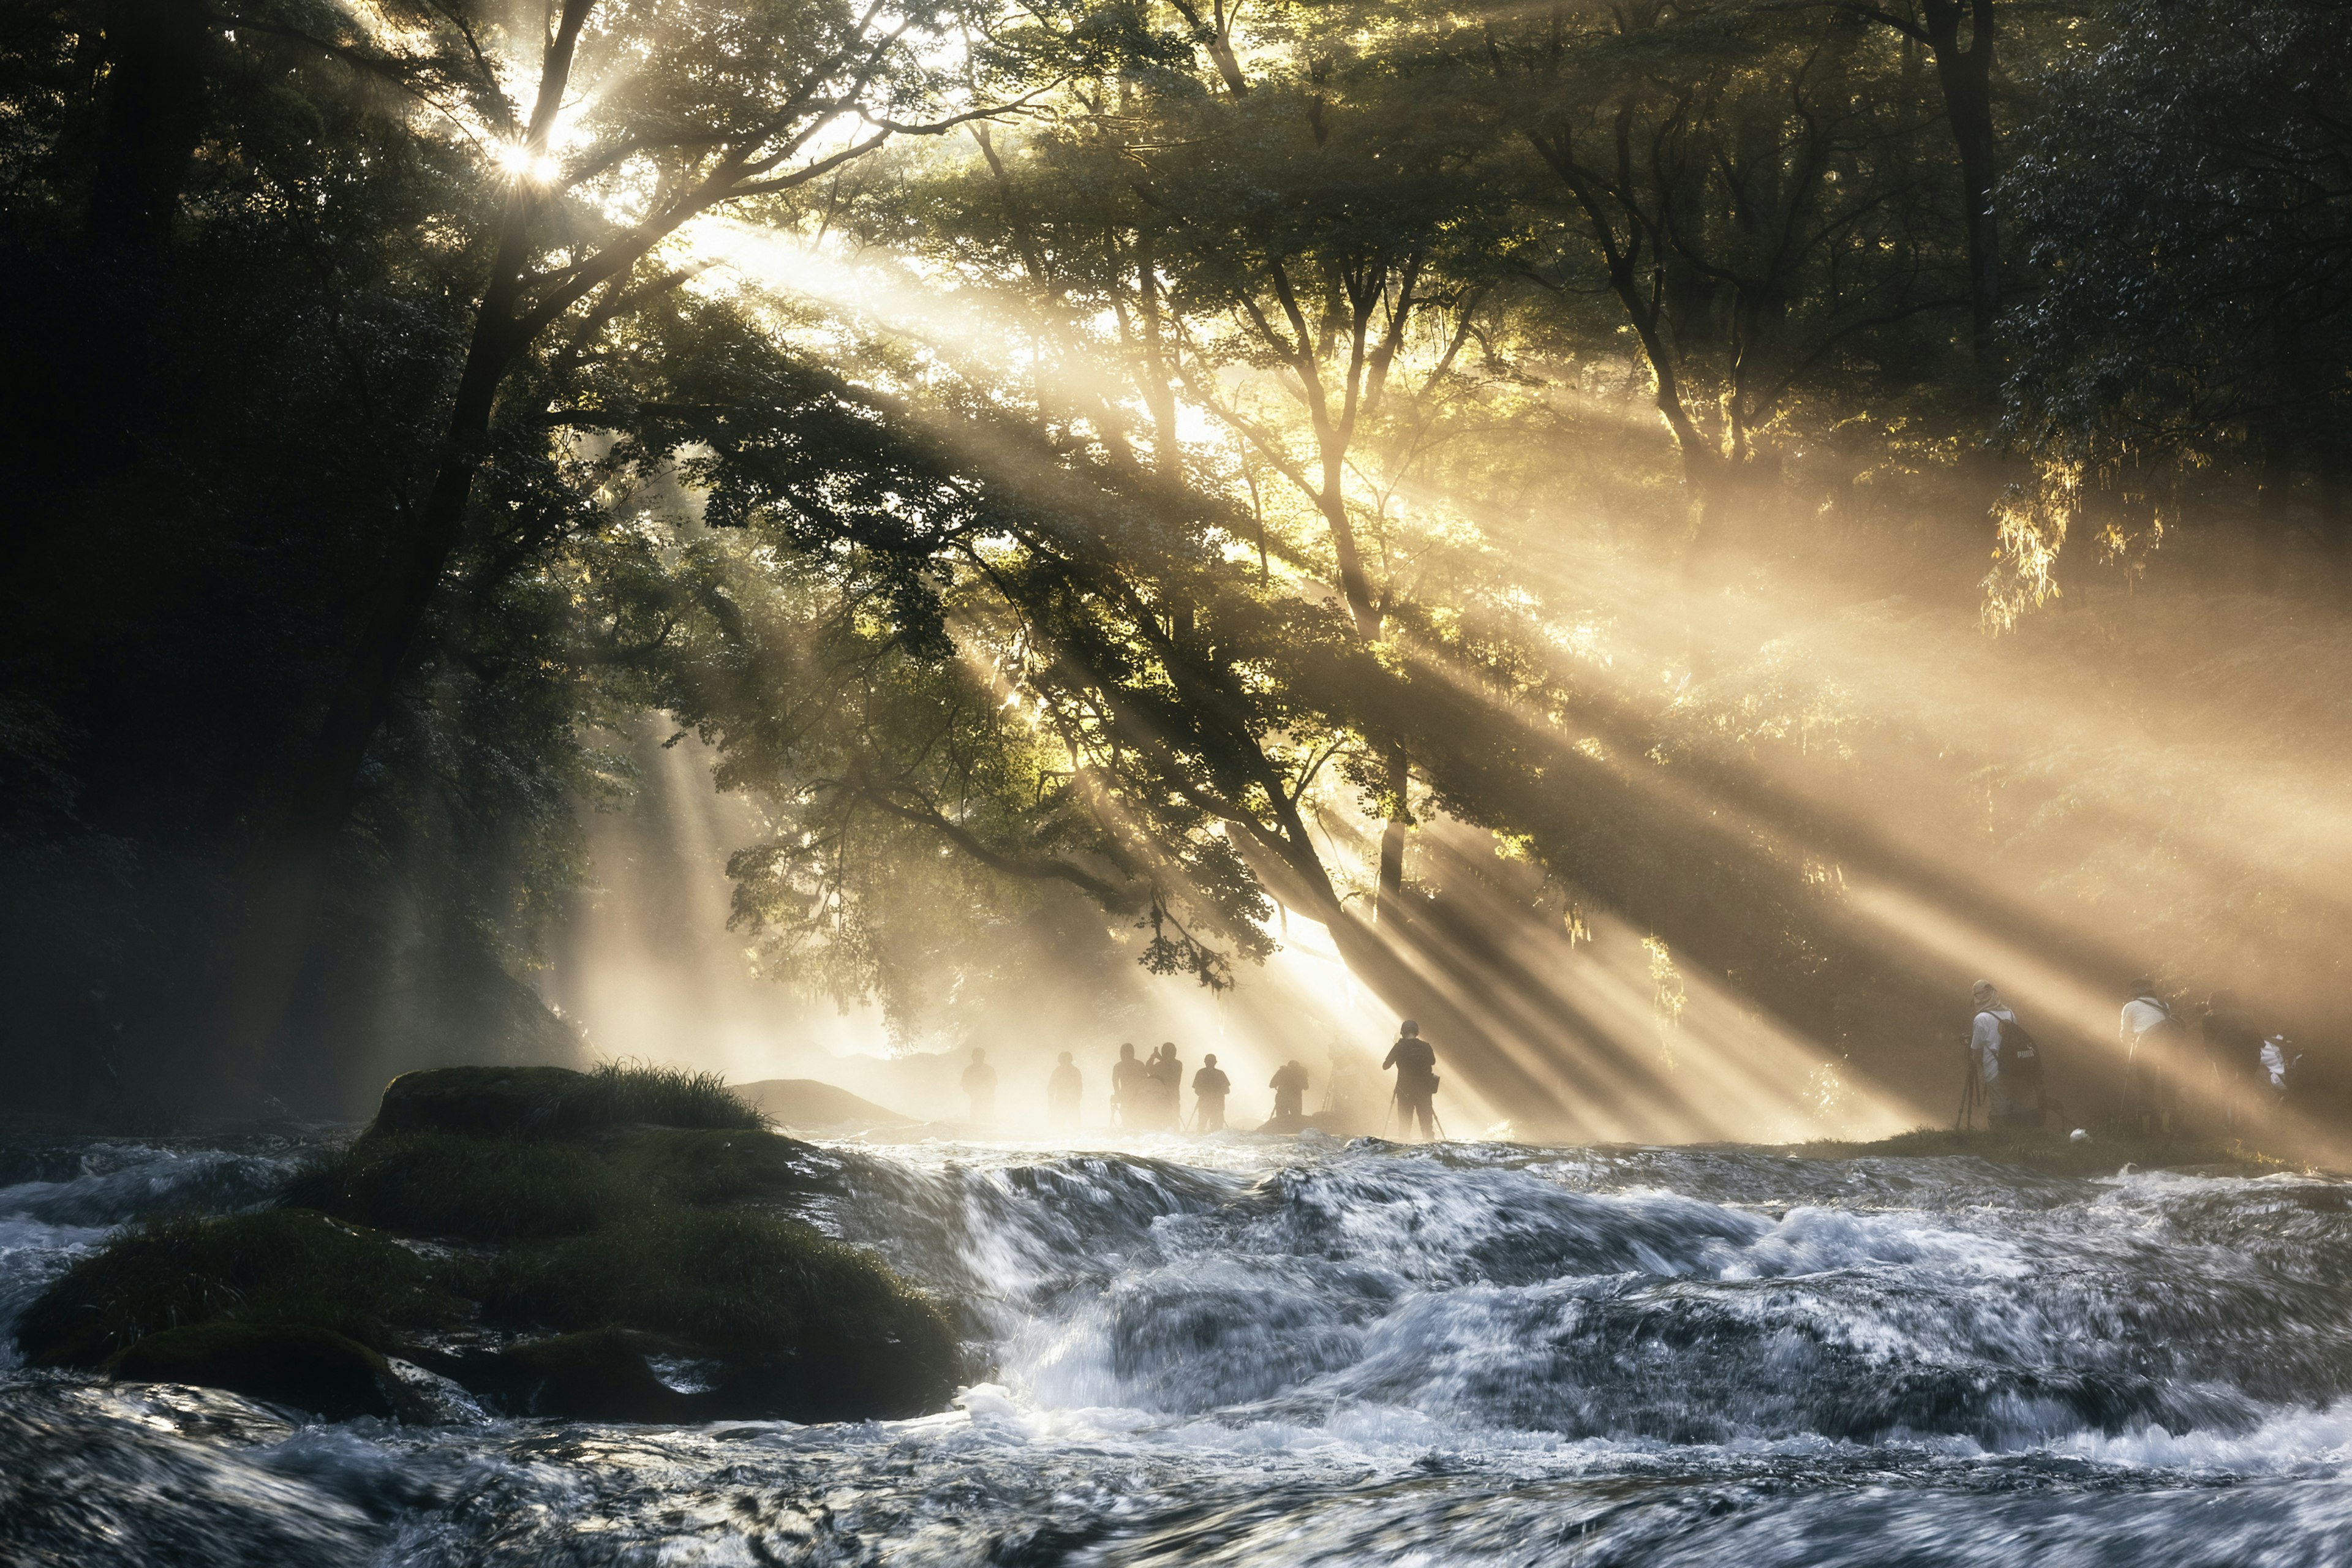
(1829, 496)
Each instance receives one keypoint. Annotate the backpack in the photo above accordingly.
(2021, 1057)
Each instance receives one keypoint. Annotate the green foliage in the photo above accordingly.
(282, 1266)
(1086, 527)
(2196, 327)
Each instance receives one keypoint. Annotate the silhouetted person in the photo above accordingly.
(2278, 1058)
(1289, 1086)
(2008, 1060)
(979, 1085)
(2233, 1045)
(1130, 1086)
(1348, 1092)
(1062, 1090)
(1167, 1085)
(2147, 1033)
(1210, 1088)
(1417, 1079)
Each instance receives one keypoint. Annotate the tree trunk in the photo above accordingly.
(1159, 381)
(153, 116)
(283, 883)
(1966, 77)
(283, 879)
(1389, 898)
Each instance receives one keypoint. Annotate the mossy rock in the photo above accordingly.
(309, 1368)
(614, 1215)
(802, 1326)
(285, 1266)
(603, 1375)
(476, 1102)
(705, 1167)
(476, 1189)
(538, 1102)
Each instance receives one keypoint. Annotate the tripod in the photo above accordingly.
(1972, 1095)
(1403, 1126)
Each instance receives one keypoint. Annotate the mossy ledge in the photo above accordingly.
(615, 1246)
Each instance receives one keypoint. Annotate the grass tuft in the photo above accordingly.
(621, 1093)
(544, 1102)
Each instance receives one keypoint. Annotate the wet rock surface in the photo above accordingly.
(1265, 1352)
(534, 1273)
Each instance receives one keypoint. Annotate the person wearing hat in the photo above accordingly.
(1417, 1079)
(2008, 1061)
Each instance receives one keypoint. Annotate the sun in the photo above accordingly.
(522, 163)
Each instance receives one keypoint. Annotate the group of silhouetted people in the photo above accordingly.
(2226, 1064)
(2226, 1067)
(1145, 1095)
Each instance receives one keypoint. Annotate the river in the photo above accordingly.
(1300, 1352)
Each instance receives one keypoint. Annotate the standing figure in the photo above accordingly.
(2231, 1045)
(1062, 1090)
(1167, 1085)
(980, 1086)
(1289, 1086)
(1210, 1088)
(2146, 1031)
(1348, 1092)
(1130, 1085)
(2008, 1060)
(1416, 1080)
(2275, 1067)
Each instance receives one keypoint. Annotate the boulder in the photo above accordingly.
(601, 1375)
(478, 1102)
(576, 1234)
(298, 1364)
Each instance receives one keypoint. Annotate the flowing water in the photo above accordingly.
(1263, 1351)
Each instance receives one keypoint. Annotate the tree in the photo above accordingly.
(685, 108)
(2196, 230)
(1748, 194)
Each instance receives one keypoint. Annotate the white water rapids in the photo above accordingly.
(1270, 1351)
